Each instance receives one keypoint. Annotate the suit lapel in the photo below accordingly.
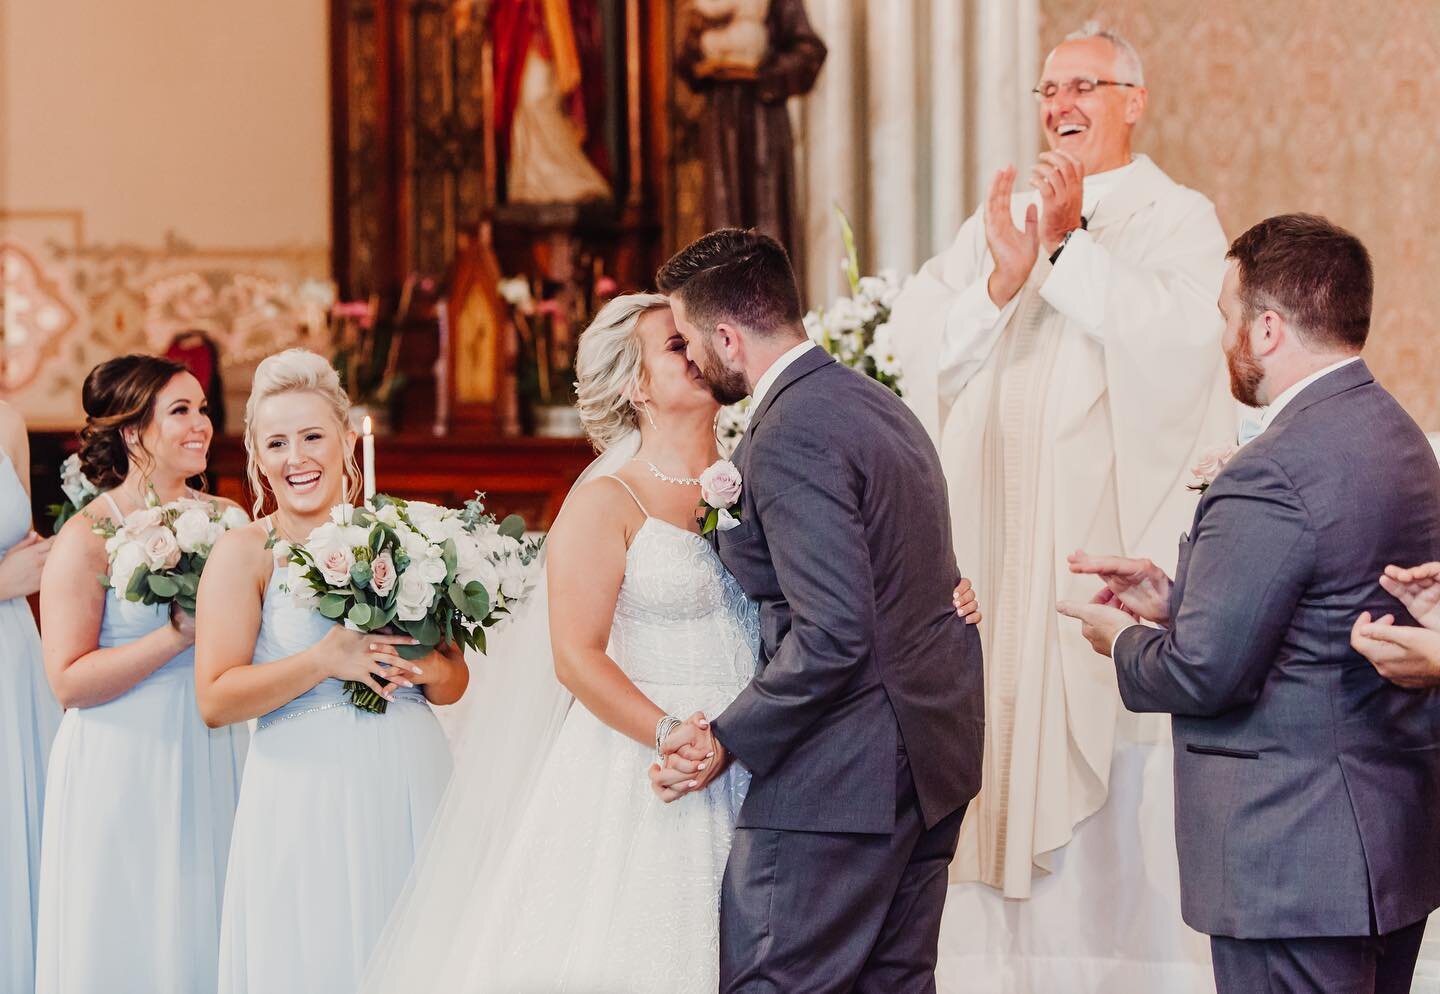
(807, 363)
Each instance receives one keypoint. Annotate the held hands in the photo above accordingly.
(1418, 588)
(1407, 657)
(369, 658)
(21, 567)
(1136, 586)
(691, 758)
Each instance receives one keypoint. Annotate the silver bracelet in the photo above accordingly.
(663, 728)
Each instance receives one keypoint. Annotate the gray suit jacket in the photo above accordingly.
(1307, 788)
(845, 543)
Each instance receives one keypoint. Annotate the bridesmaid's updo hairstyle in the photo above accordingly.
(608, 368)
(296, 371)
(119, 399)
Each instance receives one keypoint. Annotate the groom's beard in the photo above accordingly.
(727, 386)
(1245, 372)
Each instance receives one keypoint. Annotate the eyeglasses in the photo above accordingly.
(1080, 86)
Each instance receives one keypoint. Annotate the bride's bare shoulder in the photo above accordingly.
(596, 510)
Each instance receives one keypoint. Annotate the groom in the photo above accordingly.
(863, 728)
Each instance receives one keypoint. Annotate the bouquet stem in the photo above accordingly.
(364, 698)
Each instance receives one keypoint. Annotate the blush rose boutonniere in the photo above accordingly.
(719, 497)
(1212, 461)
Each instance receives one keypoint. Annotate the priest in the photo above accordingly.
(1063, 353)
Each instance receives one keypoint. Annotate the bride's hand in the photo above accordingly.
(693, 757)
(1418, 588)
(362, 657)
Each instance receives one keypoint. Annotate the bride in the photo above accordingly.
(552, 866)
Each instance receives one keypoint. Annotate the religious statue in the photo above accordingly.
(747, 57)
(549, 90)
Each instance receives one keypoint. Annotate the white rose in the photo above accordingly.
(413, 596)
(128, 558)
(472, 564)
(301, 590)
(389, 515)
(138, 521)
(419, 511)
(193, 531)
(355, 536)
(234, 518)
(342, 514)
(431, 568)
(514, 579)
(414, 544)
(114, 542)
(160, 549)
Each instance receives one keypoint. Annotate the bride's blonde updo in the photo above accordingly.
(297, 371)
(608, 368)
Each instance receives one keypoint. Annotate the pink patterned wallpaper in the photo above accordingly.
(1327, 106)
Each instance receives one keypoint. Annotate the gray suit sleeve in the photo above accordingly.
(816, 538)
(1250, 560)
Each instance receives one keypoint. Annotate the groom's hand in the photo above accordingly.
(1141, 587)
(1101, 624)
(691, 758)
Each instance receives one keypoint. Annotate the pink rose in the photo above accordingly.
(382, 574)
(161, 549)
(335, 565)
(720, 484)
(1212, 461)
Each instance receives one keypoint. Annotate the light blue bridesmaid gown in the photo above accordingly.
(28, 718)
(335, 803)
(139, 807)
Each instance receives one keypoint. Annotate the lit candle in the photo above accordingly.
(367, 448)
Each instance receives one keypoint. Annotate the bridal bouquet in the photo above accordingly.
(157, 553)
(434, 573)
(854, 329)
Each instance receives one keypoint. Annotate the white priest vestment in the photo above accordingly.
(1069, 420)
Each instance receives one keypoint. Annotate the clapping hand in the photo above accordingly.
(1406, 656)
(1013, 249)
(1060, 180)
(1099, 623)
(1418, 588)
(691, 758)
(1136, 586)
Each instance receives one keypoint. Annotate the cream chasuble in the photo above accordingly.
(1068, 420)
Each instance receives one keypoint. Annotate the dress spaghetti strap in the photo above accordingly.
(631, 493)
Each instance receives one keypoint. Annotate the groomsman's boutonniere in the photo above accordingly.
(1211, 463)
(719, 497)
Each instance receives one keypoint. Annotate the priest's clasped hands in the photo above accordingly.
(1059, 178)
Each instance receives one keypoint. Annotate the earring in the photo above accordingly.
(648, 416)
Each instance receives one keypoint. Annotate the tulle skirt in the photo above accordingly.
(606, 889)
(334, 805)
(29, 717)
(138, 811)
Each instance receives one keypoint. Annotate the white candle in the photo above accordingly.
(367, 448)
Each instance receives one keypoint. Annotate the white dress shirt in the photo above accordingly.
(768, 378)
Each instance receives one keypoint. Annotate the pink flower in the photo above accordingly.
(143, 519)
(720, 484)
(161, 549)
(1212, 461)
(606, 286)
(550, 307)
(382, 574)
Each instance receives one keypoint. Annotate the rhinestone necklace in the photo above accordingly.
(682, 481)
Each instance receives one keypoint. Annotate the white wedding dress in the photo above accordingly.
(584, 881)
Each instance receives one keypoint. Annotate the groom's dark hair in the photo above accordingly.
(737, 277)
(1311, 270)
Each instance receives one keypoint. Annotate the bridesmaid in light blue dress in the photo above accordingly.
(141, 795)
(335, 800)
(28, 712)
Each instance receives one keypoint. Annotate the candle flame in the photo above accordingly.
(365, 427)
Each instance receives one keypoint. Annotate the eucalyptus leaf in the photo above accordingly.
(513, 527)
(162, 586)
(359, 616)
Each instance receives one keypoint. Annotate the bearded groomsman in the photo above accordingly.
(1305, 782)
(1063, 354)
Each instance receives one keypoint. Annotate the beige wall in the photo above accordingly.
(1270, 106)
(154, 150)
